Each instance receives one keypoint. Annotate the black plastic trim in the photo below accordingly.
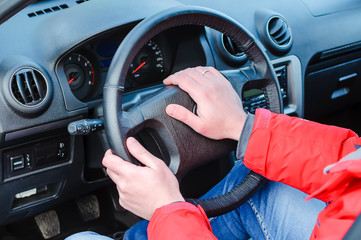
(38, 129)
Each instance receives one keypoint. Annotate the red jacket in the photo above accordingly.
(295, 152)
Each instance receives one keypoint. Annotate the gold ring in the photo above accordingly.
(205, 71)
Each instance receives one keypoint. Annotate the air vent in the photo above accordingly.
(231, 47)
(81, 1)
(29, 86)
(274, 31)
(278, 36)
(229, 50)
(279, 31)
(55, 8)
(48, 10)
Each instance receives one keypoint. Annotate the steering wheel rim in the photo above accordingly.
(121, 124)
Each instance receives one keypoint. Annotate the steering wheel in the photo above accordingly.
(182, 146)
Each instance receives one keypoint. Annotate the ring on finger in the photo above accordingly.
(205, 71)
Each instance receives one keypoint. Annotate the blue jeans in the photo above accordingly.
(276, 211)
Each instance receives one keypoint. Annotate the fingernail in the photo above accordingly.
(131, 141)
(108, 152)
(170, 110)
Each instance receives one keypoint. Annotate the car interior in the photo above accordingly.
(68, 68)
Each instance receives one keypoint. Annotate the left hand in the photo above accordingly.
(142, 189)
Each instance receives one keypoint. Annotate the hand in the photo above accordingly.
(142, 189)
(219, 109)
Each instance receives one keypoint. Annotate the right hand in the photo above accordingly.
(220, 113)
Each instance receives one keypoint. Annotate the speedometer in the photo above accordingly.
(148, 65)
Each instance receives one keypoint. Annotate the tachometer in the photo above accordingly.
(148, 64)
(80, 75)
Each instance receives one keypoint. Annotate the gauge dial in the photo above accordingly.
(80, 75)
(148, 65)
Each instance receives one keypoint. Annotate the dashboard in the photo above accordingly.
(55, 56)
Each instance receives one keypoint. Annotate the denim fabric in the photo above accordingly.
(87, 235)
(276, 211)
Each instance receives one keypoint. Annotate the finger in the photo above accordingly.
(187, 84)
(184, 115)
(177, 78)
(172, 79)
(181, 79)
(117, 164)
(198, 76)
(214, 72)
(204, 72)
(213, 76)
(141, 154)
(115, 177)
(108, 152)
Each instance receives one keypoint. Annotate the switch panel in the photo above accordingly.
(27, 158)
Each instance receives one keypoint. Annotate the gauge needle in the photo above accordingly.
(71, 80)
(141, 65)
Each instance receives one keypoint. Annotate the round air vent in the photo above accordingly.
(231, 47)
(29, 86)
(229, 50)
(279, 31)
(275, 32)
(30, 90)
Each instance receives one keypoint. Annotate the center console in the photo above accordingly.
(288, 72)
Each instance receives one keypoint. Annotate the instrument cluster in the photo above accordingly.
(86, 67)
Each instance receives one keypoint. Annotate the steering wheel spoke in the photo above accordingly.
(169, 134)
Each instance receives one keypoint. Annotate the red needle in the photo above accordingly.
(71, 80)
(141, 65)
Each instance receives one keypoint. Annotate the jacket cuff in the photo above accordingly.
(258, 142)
(180, 206)
(245, 135)
(176, 206)
(177, 214)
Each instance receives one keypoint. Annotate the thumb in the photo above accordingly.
(141, 154)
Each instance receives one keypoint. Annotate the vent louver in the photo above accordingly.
(279, 31)
(54, 9)
(275, 31)
(229, 50)
(48, 10)
(29, 86)
(231, 47)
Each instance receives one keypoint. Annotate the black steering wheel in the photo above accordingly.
(182, 146)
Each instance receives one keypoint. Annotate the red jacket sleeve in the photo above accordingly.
(285, 149)
(180, 221)
(295, 151)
